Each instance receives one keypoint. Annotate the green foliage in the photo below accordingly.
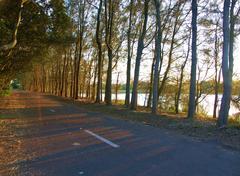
(15, 84)
(31, 38)
(6, 91)
(60, 23)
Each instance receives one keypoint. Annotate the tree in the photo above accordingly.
(23, 26)
(158, 57)
(13, 43)
(229, 18)
(109, 22)
(99, 44)
(217, 75)
(192, 93)
(127, 97)
(79, 43)
(180, 83)
(140, 48)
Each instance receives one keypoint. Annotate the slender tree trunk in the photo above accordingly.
(116, 88)
(149, 100)
(94, 83)
(66, 76)
(52, 79)
(109, 22)
(83, 87)
(216, 94)
(74, 71)
(72, 77)
(99, 44)
(191, 105)
(176, 27)
(223, 114)
(216, 86)
(59, 78)
(138, 57)
(63, 74)
(179, 92)
(158, 58)
(127, 97)
(81, 32)
(89, 79)
(227, 61)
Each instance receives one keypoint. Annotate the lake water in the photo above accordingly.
(207, 103)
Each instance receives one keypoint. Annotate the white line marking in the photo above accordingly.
(76, 144)
(81, 173)
(102, 139)
(52, 110)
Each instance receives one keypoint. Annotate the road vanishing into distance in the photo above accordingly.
(60, 138)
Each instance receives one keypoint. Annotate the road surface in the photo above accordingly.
(57, 138)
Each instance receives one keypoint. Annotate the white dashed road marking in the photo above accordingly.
(102, 139)
(52, 110)
(81, 173)
(76, 144)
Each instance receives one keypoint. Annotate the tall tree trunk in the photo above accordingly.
(59, 78)
(94, 83)
(158, 58)
(83, 87)
(179, 92)
(116, 88)
(139, 56)
(217, 83)
(216, 86)
(88, 94)
(99, 44)
(81, 32)
(66, 75)
(74, 70)
(191, 104)
(127, 97)
(149, 99)
(63, 74)
(72, 77)
(109, 22)
(227, 61)
(176, 28)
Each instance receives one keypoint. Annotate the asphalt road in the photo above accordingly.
(63, 139)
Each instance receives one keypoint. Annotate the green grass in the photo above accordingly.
(6, 92)
(7, 116)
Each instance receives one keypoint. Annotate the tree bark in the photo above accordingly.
(99, 44)
(138, 57)
(192, 93)
(216, 86)
(179, 92)
(81, 32)
(127, 97)
(158, 58)
(149, 99)
(109, 22)
(227, 62)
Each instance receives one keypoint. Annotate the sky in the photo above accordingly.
(146, 66)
